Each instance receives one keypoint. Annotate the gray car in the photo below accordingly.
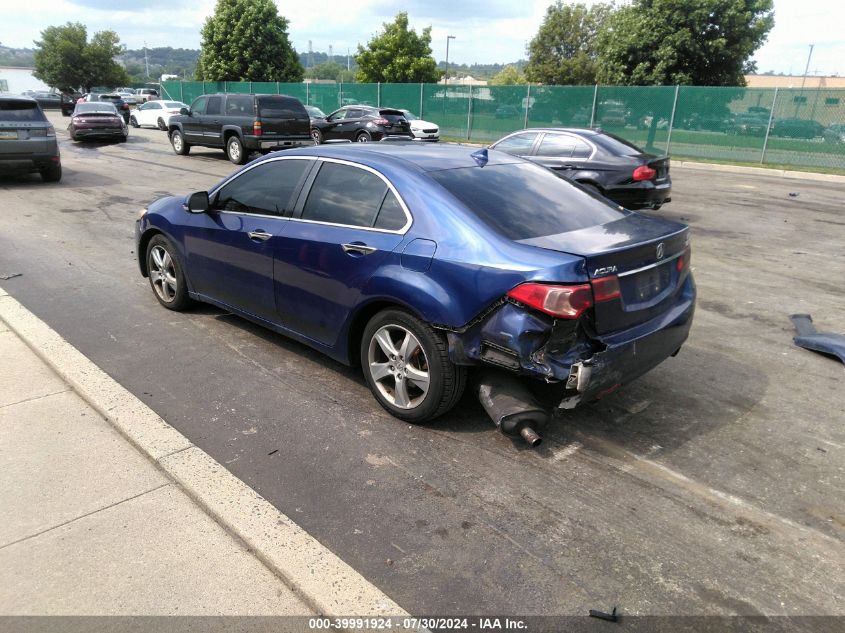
(27, 139)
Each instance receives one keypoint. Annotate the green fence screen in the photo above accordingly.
(790, 127)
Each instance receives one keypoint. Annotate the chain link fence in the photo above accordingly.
(789, 127)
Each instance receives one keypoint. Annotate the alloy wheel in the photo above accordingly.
(163, 274)
(398, 366)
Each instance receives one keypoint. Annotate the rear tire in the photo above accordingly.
(363, 137)
(317, 135)
(235, 150)
(133, 122)
(53, 173)
(406, 365)
(180, 145)
(161, 124)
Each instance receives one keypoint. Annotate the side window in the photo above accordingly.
(155, 105)
(557, 145)
(355, 113)
(582, 149)
(198, 106)
(239, 105)
(336, 116)
(214, 105)
(342, 194)
(145, 106)
(265, 189)
(391, 217)
(518, 144)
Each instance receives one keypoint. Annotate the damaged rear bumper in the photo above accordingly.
(584, 366)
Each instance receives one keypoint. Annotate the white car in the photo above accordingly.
(155, 113)
(422, 130)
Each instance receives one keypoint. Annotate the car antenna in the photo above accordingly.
(480, 157)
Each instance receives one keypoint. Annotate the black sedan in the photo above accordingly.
(601, 162)
(361, 124)
(118, 102)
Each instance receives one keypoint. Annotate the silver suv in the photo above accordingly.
(27, 139)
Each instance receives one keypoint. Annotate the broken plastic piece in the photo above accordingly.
(10, 275)
(610, 617)
(822, 342)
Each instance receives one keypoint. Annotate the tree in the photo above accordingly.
(247, 40)
(563, 51)
(398, 55)
(688, 42)
(508, 76)
(65, 59)
(326, 70)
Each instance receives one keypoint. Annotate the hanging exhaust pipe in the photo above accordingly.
(511, 406)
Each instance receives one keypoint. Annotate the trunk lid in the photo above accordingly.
(396, 122)
(643, 253)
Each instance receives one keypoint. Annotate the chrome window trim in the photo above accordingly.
(409, 218)
(654, 265)
(537, 134)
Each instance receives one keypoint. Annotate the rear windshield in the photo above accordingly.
(616, 145)
(522, 201)
(281, 108)
(392, 115)
(20, 111)
(95, 108)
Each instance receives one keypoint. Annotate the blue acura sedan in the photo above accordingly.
(422, 262)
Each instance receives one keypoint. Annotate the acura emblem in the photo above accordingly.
(660, 250)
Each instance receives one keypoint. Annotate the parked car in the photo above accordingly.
(155, 114)
(128, 95)
(797, 128)
(27, 139)
(97, 120)
(748, 125)
(506, 112)
(118, 102)
(422, 130)
(422, 262)
(835, 133)
(240, 124)
(361, 124)
(146, 94)
(48, 100)
(599, 161)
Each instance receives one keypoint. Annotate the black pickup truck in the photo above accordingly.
(240, 124)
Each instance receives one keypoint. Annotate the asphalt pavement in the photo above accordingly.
(712, 485)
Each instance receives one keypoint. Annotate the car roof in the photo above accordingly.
(17, 98)
(416, 156)
(581, 131)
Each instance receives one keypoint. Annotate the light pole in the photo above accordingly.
(448, 37)
(805, 69)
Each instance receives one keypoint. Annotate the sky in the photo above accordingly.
(486, 31)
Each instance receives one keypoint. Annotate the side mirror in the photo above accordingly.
(185, 111)
(197, 202)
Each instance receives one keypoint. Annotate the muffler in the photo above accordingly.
(511, 406)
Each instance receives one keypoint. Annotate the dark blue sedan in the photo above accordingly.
(420, 262)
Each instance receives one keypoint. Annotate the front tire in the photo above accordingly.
(180, 145)
(235, 150)
(165, 272)
(317, 135)
(406, 365)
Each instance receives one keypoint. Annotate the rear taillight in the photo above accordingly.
(683, 262)
(256, 128)
(563, 302)
(381, 121)
(606, 288)
(644, 172)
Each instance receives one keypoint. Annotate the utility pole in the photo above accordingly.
(347, 59)
(803, 79)
(331, 53)
(146, 60)
(446, 78)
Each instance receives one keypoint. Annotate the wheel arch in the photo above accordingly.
(362, 316)
(142, 248)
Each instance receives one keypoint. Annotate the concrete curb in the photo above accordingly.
(321, 579)
(760, 171)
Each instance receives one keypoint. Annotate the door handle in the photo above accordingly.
(360, 249)
(259, 235)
